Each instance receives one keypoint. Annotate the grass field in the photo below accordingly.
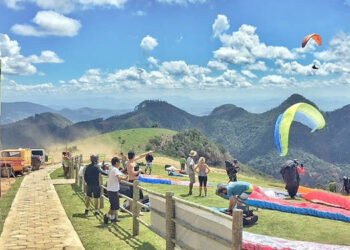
(272, 223)
(6, 201)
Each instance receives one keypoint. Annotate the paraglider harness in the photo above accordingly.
(127, 191)
(291, 177)
(249, 218)
(231, 171)
(346, 185)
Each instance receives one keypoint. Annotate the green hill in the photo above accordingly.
(115, 142)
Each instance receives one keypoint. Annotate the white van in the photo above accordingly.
(40, 153)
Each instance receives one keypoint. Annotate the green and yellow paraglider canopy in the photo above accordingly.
(300, 112)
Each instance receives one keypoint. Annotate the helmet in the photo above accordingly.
(94, 159)
(235, 161)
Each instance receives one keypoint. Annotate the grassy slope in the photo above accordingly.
(6, 201)
(109, 144)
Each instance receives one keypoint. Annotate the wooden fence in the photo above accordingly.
(210, 237)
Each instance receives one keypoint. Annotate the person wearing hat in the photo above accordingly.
(190, 169)
(236, 192)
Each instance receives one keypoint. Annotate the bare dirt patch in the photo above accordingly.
(6, 184)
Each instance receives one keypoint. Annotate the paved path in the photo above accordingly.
(37, 219)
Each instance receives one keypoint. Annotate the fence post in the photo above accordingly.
(102, 203)
(169, 223)
(135, 209)
(77, 165)
(71, 166)
(237, 228)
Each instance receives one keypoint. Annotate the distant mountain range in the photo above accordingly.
(15, 111)
(248, 136)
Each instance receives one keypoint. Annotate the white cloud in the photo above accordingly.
(175, 68)
(338, 49)
(140, 13)
(13, 4)
(180, 68)
(47, 56)
(260, 65)
(220, 25)
(14, 63)
(114, 3)
(152, 60)
(182, 2)
(244, 46)
(92, 76)
(36, 89)
(66, 6)
(295, 68)
(233, 55)
(148, 43)
(277, 80)
(49, 23)
(217, 66)
(248, 73)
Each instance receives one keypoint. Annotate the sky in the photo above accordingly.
(196, 54)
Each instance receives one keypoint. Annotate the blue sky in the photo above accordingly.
(194, 53)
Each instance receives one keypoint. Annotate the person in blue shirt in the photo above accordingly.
(236, 192)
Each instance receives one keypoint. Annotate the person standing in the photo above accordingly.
(190, 169)
(91, 177)
(203, 171)
(66, 163)
(113, 187)
(291, 178)
(134, 171)
(182, 163)
(149, 162)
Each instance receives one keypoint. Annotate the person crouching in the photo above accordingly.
(236, 192)
(113, 187)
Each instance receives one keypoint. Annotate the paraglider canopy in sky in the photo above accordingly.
(316, 37)
(300, 112)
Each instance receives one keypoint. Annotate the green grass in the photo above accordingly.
(272, 223)
(94, 234)
(6, 201)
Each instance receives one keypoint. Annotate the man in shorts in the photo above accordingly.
(113, 187)
(190, 169)
(91, 177)
(236, 192)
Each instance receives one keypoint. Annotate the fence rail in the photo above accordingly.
(172, 222)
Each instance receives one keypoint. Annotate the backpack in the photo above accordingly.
(249, 218)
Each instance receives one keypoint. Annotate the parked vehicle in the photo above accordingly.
(36, 162)
(15, 160)
(40, 153)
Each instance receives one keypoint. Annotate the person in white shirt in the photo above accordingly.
(190, 170)
(113, 186)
